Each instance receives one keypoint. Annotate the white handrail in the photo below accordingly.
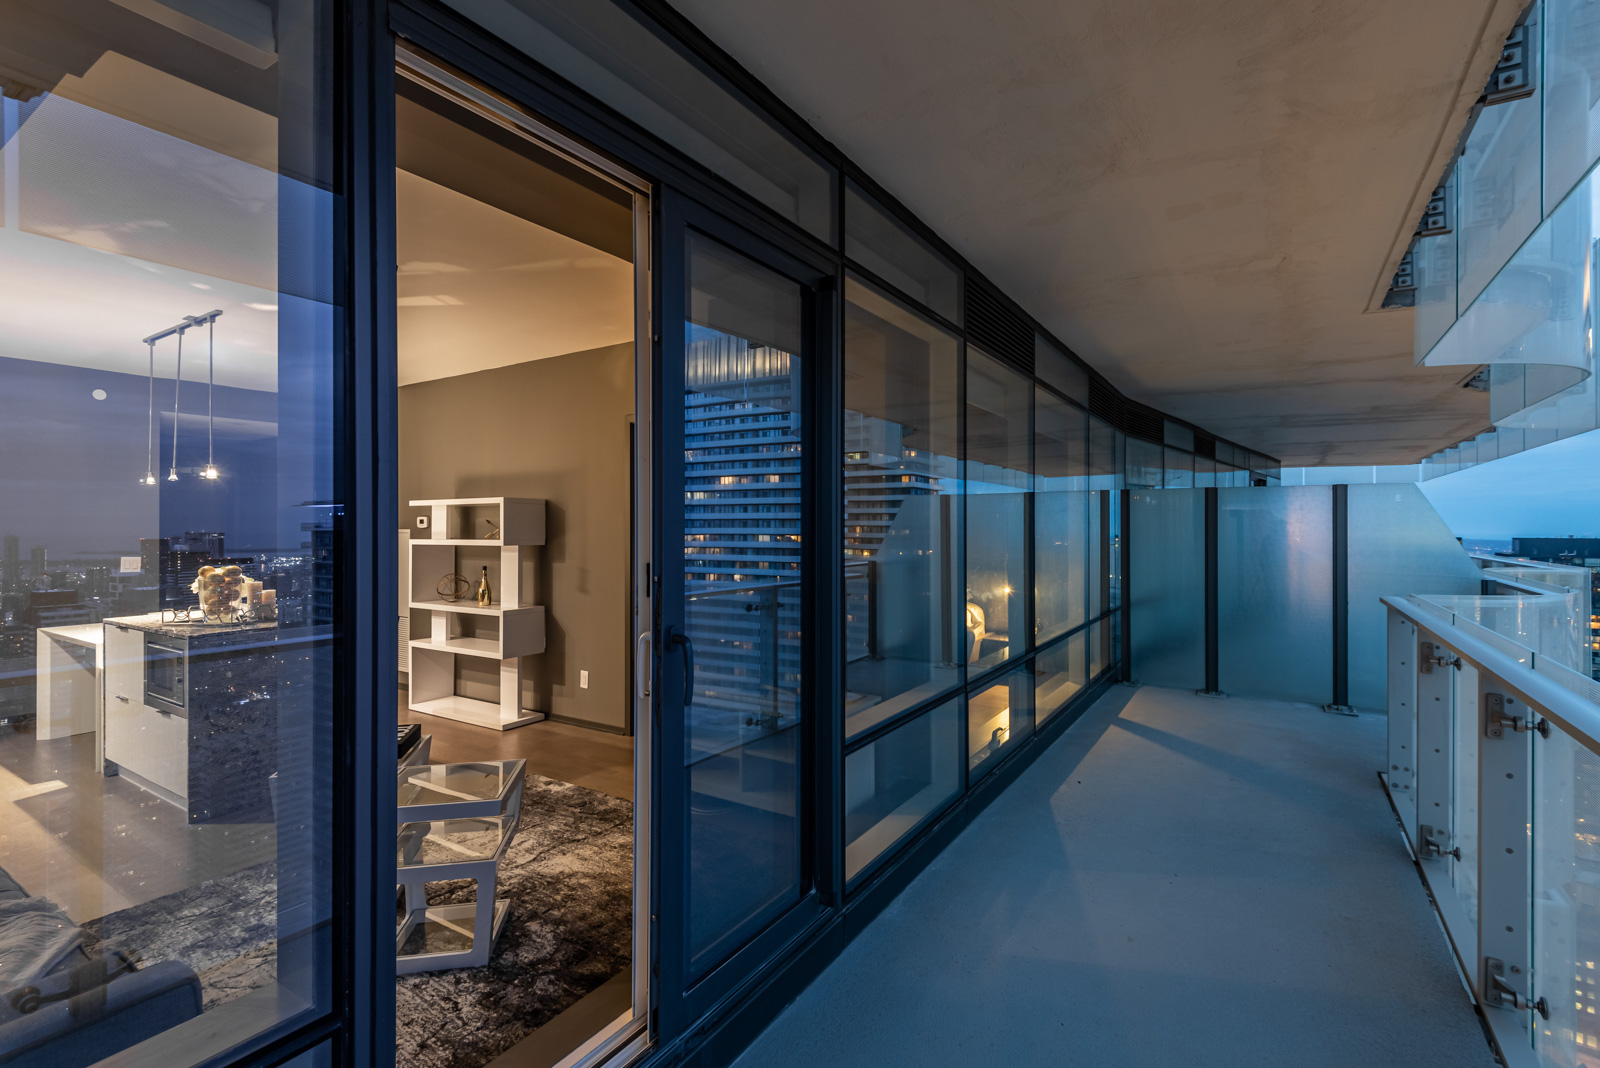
(1576, 717)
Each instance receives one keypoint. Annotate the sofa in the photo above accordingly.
(63, 1007)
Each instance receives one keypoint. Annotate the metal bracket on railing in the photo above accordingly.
(1496, 719)
(1432, 840)
(1430, 655)
(1496, 991)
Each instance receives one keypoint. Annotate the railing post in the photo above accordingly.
(1434, 748)
(1402, 687)
(1505, 847)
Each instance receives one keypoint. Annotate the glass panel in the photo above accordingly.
(1274, 589)
(1465, 730)
(743, 386)
(997, 483)
(1566, 909)
(877, 241)
(1096, 577)
(999, 716)
(1056, 368)
(168, 269)
(1167, 586)
(1571, 70)
(1179, 470)
(628, 63)
(1058, 674)
(895, 783)
(902, 505)
(1398, 546)
(1500, 184)
(1146, 466)
(1060, 515)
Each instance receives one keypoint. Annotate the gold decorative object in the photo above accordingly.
(484, 596)
(453, 587)
(494, 529)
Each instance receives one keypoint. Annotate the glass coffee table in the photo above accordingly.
(455, 822)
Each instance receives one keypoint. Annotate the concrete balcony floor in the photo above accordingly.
(1177, 881)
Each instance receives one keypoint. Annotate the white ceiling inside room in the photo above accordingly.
(1206, 201)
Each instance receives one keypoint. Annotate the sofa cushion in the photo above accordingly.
(35, 937)
(107, 1020)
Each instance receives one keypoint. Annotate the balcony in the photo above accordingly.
(1190, 877)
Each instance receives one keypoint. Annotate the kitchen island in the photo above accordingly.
(191, 714)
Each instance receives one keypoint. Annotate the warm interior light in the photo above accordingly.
(210, 472)
(172, 476)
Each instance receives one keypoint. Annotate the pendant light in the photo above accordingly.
(211, 371)
(177, 385)
(149, 478)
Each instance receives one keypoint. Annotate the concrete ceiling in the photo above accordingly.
(1205, 200)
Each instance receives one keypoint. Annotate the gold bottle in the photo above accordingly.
(483, 589)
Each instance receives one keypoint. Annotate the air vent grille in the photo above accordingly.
(1143, 423)
(1205, 445)
(998, 330)
(1104, 403)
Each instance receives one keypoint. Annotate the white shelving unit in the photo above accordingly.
(504, 632)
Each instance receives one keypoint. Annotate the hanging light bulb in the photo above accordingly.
(211, 368)
(149, 478)
(177, 385)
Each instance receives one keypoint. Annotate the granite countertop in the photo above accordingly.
(151, 624)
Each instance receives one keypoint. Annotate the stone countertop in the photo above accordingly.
(219, 632)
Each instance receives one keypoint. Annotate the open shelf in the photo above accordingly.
(454, 520)
(484, 647)
(478, 713)
(470, 607)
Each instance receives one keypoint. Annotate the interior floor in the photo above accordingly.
(594, 759)
(97, 844)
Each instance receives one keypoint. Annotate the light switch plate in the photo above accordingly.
(583, 680)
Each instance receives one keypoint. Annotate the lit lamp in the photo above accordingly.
(177, 385)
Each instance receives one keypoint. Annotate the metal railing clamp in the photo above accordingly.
(1497, 991)
(1496, 719)
(1431, 655)
(1433, 839)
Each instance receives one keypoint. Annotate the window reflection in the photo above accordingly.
(998, 478)
(167, 347)
(902, 509)
(1058, 674)
(1061, 515)
(998, 718)
(893, 784)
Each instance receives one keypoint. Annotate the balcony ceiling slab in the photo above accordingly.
(1205, 201)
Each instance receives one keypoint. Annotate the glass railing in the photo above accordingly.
(1494, 768)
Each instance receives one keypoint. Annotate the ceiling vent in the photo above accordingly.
(1141, 422)
(1104, 403)
(996, 329)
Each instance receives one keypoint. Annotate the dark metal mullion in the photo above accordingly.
(960, 592)
(1124, 556)
(366, 674)
(827, 676)
(1341, 597)
(1212, 685)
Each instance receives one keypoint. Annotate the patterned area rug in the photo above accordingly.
(568, 876)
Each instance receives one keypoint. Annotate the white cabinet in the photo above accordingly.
(151, 745)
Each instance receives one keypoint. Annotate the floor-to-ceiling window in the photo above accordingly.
(170, 341)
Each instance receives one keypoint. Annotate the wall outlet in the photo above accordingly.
(583, 680)
(422, 522)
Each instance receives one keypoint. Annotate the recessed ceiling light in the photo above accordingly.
(262, 307)
(199, 285)
(98, 394)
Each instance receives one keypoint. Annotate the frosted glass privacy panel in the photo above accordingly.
(1275, 592)
(1398, 546)
(1167, 586)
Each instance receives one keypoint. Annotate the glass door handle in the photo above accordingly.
(641, 665)
(677, 638)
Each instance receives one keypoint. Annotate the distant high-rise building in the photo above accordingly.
(39, 566)
(13, 564)
(1576, 552)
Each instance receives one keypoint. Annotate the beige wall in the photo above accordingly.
(558, 429)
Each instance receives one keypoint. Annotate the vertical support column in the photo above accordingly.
(1433, 788)
(1505, 848)
(1341, 601)
(1213, 687)
(1124, 555)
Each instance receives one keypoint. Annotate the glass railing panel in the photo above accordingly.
(1571, 69)
(1464, 810)
(1566, 900)
(1166, 587)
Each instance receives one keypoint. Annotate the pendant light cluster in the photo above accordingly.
(209, 321)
